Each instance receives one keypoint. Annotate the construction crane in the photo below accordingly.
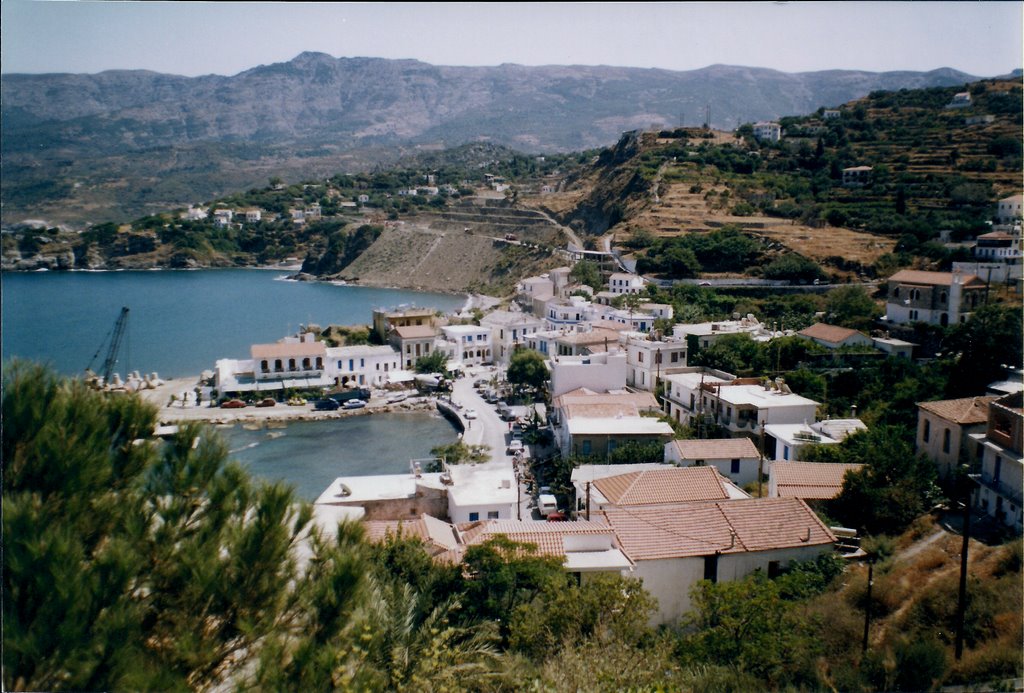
(116, 336)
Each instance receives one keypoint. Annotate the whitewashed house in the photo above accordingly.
(736, 459)
(470, 344)
(510, 331)
(1001, 449)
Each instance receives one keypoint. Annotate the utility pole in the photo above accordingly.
(588, 501)
(760, 462)
(867, 607)
(961, 605)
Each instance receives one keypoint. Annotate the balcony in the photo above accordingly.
(1005, 490)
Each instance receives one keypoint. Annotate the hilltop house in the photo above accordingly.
(960, 100)
(620, 283)
(944, 428)
(856, 176)
(768, 132)
(1009, 210)
(937, 298)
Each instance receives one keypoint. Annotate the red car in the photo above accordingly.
(267, 402)
(233, 404)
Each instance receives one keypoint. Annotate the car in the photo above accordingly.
(233, 404)
(267, 402)
(557, 517)
(515, 446)
(491, 397)
(296, 402)
(354, 404)
(469, 413)
(326, 405)
(547, 504)
(480, 383)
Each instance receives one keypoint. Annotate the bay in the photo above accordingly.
(180, 321)
(311, 454)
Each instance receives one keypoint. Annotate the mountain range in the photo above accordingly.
(81, 147)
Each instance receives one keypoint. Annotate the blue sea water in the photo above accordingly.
(180, 322)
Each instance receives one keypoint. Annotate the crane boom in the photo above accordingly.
(115, 345)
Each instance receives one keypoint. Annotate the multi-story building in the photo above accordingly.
(469, 345)
(937, 298)
(944, 428)
(768, 132)
(385, 320)
(1001, 450)
(510, 331)
(648, 360)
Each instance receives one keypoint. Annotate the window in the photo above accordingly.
(998, 468)
(945, 440)
(640, 356)
(473, 517)
(492, 514)
(362, 363)
(675, 356)
(585, 449)
(711, 568)
(785, 452)
(926, 431)
(352, 362)
(774, 569)
(265, 366)
(734, 467)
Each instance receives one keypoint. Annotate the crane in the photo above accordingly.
(116, 336)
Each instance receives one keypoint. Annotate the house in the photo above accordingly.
(675, 546)
(390, 496)
(470, 344)
(782, 442)
(363, 364)
(937, 298)
(736, 459)
(738, 405)
(1009, 210)
(944, 428)
(597, 372)
(894, 347)
(834, 337)
(960, 100)
(856, 176)
(999, 246)
(768, 132)
(363, 199)
(620, 283)
(666, 485)
(437, 536)
(587, 342)
(479, 492)
(194, 213)
(831, 114)
(385, 320)
(413, 342)
(807, 480)
(253, 216)
(570, 312)
(647, 360)
(592, 423)
(533, 287)
(1001, 450)
(583, 476)
(510, 331)
(584, 547)
(707, 333)
(222, 218)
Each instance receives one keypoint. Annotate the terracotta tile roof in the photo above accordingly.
(970, 410)
(829, 333)
(288, 350)
(548, 537)
(702, 529)
(600, 410)
(659, 486)
(932, 278)
(638, 400)
(437, 535)
(816, 480)
(716, 449)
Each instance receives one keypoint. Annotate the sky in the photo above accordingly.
(983, 39)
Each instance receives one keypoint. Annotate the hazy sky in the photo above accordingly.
(194, 38)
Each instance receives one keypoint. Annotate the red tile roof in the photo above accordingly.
(548, 537)
(716, 449)
(726, 527)
(658, 486)
(815, 480)
(829, 333)
(932, 278)
(969, 410)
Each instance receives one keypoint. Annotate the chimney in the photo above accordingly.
(853, 411)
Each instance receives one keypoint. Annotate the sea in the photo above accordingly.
(180, 322)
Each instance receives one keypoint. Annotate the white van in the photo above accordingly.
(547, 504)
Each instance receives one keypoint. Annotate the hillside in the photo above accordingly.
(91, 148)
(934, 169)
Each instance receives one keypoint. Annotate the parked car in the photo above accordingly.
(233, 404)
(354, 404)
(480, 383)
(267, 402)
(515, 446)
(326, 405)
(469, 413)
(296, 402)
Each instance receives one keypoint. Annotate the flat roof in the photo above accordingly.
(356, 489)
(627, 425)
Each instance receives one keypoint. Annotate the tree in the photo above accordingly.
(586, 272)
(461, 453)
(990, 340)
(851, 306)
(433, 362)
(116, 550)
(527, 368)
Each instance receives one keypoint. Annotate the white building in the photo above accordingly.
(707, 333)
(738, 405)
(782, 442)
(856, 176)
(674, 547)
(621, 283)
(594, 423)
(470, 344)
(364, 365)
(960, 100)
(937, 298)
(253, 216)
(479, 492)
(510, 331)
(1002, 463)
(736, 459)
(648, 360)
(598, 372)
(768, 132)
(1009, 210)
(566, 312)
